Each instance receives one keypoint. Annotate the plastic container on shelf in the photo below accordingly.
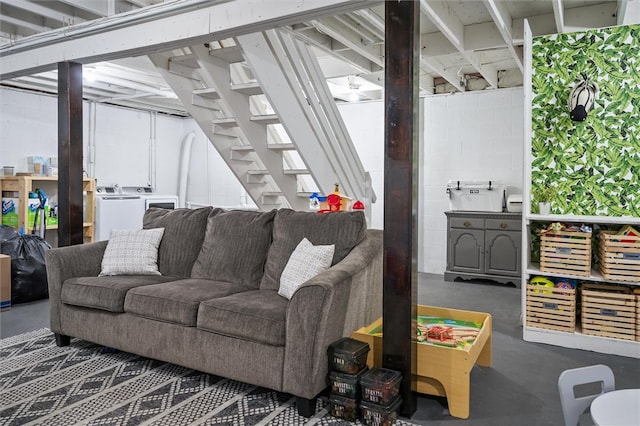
(348, 355)
(346, 384)
(380, 415)
(343, 407)
(380, 385)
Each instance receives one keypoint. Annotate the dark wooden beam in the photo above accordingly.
(70, 154)
(402, 30)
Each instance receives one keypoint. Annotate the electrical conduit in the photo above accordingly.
(183, 172)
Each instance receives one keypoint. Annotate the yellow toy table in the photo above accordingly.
(441, 371)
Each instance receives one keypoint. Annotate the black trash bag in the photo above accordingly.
(28, 271)
(7, 233)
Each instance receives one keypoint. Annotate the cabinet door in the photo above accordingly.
(466, 250)
(503, 252)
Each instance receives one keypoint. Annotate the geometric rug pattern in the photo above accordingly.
(86, 384)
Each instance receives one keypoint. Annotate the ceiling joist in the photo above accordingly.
(503, 22)
(558, 13)
(448, 23)
(462, 42)
(193, 25)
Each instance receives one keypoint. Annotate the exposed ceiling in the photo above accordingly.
(465, 44)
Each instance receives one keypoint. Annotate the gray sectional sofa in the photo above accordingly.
(214, 305)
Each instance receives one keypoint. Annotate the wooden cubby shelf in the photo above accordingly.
(22, 185)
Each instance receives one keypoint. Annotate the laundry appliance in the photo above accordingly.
(124, 207)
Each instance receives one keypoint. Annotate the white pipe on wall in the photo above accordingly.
(152, 149)
(91, 144)
(183, 172)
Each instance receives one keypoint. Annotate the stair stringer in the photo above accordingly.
(216, 72)
(188, 83)
(291, 79)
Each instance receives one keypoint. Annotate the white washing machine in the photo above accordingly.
(116, 210)
(151, 198)
(124, 207)
(161, 201)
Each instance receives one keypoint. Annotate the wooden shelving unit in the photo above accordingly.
(25, 184)
(577, 339)
(531, 333)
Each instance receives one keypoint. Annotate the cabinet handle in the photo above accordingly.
(504, 226)
(467, 224)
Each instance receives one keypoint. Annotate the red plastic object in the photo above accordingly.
(334, 202)
(358, 205)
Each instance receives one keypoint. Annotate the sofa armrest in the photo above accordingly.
(319, 313)
(83, 260)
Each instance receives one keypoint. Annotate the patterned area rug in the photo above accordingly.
(83, 383)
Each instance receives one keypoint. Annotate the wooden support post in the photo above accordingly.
(402, 28)
(70, 154)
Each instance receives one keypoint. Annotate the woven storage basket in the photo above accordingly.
(566, 252)
(609, 311)
(619, 257)
(551, 308)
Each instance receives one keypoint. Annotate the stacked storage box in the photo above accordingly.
(566, 252)
(347, 364)
(620, 255)
(380, 399)
(551, 308)
(608, 310)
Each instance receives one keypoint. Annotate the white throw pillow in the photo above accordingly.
(305, 262)
(132, 252)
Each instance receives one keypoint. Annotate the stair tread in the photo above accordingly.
(266, 119)
(208, 92)
(242, 148)
(188, 60)
(229, 54)
(225, 122)
(251, 88)
(281, 146)
(257, 172)
(296, 172)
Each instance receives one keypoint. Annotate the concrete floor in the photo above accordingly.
(519, 389)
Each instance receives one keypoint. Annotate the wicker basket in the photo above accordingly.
(636, 293)
(608, 311)
(551, 308)
(619, 257)
(566, 252)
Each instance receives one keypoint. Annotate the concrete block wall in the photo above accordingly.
(128, 147)
(467, 136)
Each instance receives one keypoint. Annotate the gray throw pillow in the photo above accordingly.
(235, 247)
(183, 234)
(343, 229)
(132, 252)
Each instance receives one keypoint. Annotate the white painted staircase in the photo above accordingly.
(263, 102)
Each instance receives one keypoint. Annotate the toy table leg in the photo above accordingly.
(484, 358)
(458, 399)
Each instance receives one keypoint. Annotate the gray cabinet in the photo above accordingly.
(484, 245)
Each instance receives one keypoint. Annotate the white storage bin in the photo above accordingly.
(480, 196)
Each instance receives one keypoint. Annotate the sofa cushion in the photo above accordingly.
(176, 302)
(343, 229)
(106, 293)
(235, 247)
(132, 252)
(182, 240)
(257, 315)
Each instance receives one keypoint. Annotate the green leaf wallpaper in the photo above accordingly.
(594, 164)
